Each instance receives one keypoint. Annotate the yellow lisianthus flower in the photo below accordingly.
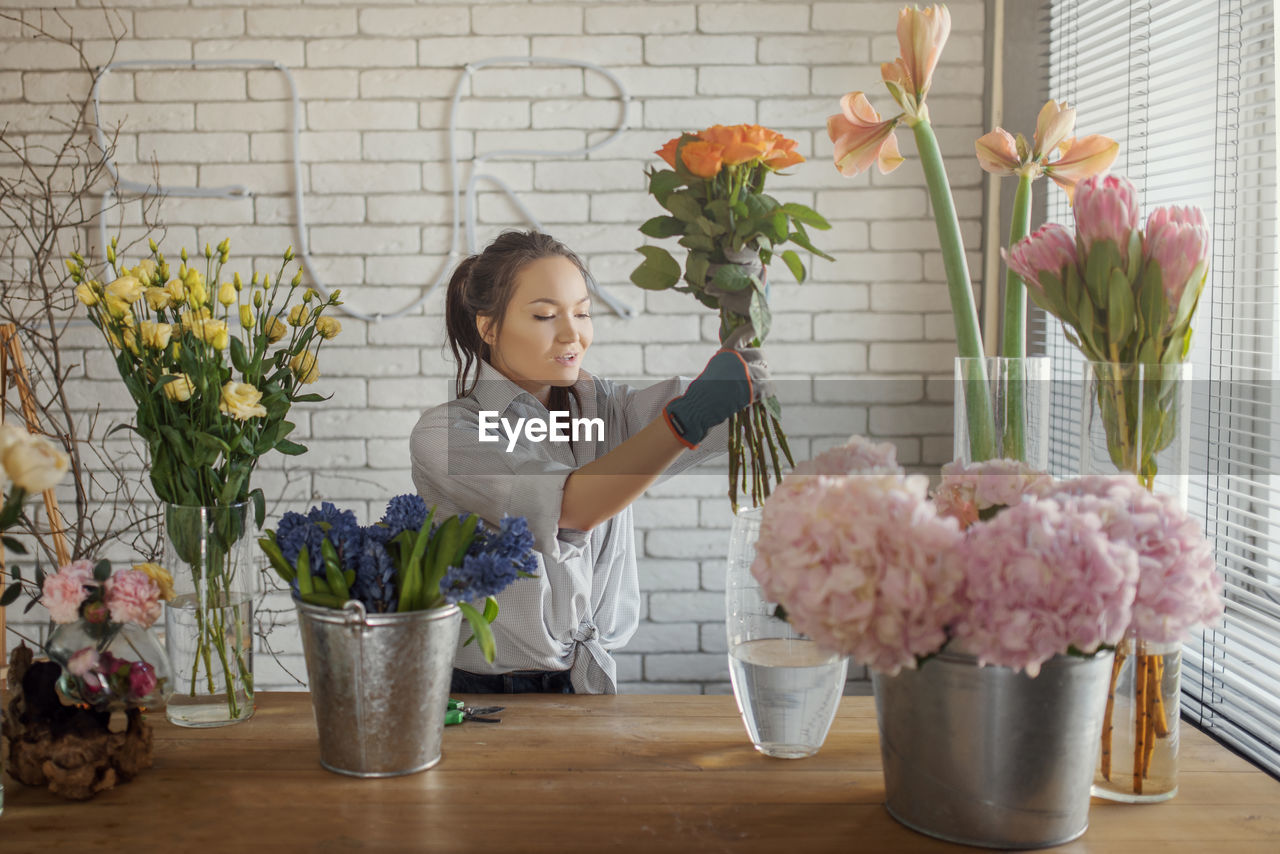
(87, 293)
(240, 401)
(246, 317)
(127, 289)
(226, 293)
(275, 329)
(158, 298)
(298, 315)
(177, 291)
(179, 389)
(304, 367)
(155, 335)
(328, 327)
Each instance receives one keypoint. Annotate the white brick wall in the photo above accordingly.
(865, 346)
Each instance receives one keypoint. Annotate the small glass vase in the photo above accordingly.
(787, 689)
(1018, 389)
(212, 553)
(1139, 758)
(1137, 418)
(110, 666)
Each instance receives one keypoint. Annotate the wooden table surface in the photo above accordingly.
(579, 773)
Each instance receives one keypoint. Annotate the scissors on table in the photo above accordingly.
(459, 711)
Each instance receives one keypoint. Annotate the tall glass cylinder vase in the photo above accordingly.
(787, 688)
(1137, 419)
(213, 555)
(1018, 389)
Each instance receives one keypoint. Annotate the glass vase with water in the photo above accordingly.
(787, 688)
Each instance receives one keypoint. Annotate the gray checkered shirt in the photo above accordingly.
(586, 600)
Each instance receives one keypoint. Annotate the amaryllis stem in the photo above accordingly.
(968, 340)
(1014, 345)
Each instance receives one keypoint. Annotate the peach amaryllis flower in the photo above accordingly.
(921, 35)
(861, 138)
(1003, 153)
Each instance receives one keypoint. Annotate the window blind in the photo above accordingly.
(1187, 87)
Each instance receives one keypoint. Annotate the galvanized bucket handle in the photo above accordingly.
(355, 614)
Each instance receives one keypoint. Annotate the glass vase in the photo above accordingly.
(110, 666)
(212, 553)
(1138, 762)
(787, 688)
(1137, 418)
(1018, 389)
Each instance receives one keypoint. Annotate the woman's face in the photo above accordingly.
(546, 330)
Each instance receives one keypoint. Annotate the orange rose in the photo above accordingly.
(702, 158)
(668, 152)
(782, 154)
(740, 143)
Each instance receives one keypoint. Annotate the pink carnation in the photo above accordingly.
(1178, 586)
(133, 597)
(978, 490)
(859, 455)
(1040, 578)
(64, 591)
(856, 562)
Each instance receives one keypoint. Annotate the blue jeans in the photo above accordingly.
(518, 682)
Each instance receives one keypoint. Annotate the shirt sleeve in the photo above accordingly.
(639, 407)
(453, 470)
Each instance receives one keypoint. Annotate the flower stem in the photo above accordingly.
(1014, 345)
(968, 339)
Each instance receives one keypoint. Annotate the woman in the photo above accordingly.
(520, 315)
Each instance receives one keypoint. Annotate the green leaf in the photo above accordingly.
(792, 259)
(662, 183)
(731, 277)
(212, 442)
(806, 215)
(311, 398)
(490, 609)
(662, 226)
(101, 571)
(698, 242)
(10, 596)
(259, 506)
(709, 228)
(802, 240)
(658, 271)
(1119, 308)
(291, 449)
(760, 315)
(480, 627)
(695, 268)
(276, 557)
(684, 205)
(239, 357)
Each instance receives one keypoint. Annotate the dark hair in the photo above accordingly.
(482, 286)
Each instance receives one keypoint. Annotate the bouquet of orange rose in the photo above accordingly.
(715, 202)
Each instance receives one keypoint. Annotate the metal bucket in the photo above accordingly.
(379, 685)
(989, 756)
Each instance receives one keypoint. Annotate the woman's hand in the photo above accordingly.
(732, 380)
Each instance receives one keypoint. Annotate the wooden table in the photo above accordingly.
(579, 773)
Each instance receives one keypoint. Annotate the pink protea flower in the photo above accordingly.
(859, 455)
(1040, 578)
(1176, 239)
(979, 490)
(1049, 249)
(64, 591)
(132, 597)
(1106, 208)
(857, 563)
(1178, 586)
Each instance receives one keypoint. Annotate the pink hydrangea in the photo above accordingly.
(857, 563)
(1178, 586)
(133, 597)
(974, 491)
(859, 455)
(64, 591)
(1040, 578)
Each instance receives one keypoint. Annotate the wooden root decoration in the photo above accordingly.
(72, 750)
